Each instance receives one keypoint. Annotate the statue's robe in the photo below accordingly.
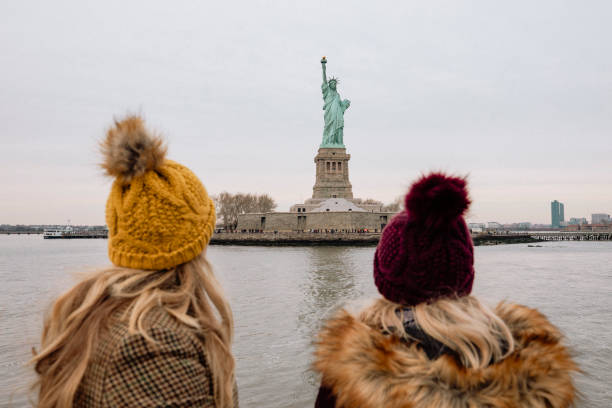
(334, 109)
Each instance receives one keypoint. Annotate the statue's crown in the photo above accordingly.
(336, 80)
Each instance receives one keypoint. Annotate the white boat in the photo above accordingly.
(58, 232)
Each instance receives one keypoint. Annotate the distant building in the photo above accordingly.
(477, 226)
(600, 219)
(517, 226)
(524, 225)
(577, 221)
(494, 225)
(562, 212)
(557, 213)
(602, 227)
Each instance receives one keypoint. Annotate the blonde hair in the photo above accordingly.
(465, 325)
(77, 317)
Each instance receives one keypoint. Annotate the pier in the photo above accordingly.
(572, 236)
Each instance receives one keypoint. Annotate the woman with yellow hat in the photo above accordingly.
(155, 329)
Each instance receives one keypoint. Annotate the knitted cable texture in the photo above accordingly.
(426, 251)
(159, 217)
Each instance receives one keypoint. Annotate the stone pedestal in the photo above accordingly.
(332, 179)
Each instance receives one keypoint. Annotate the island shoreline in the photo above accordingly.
(341, 239)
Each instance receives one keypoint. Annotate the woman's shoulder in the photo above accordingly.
(524, 322)
(159, 329)
(162, 334)
(167, 362)
(359, 364)
(527, 323)
(168, 369)
(358, 361)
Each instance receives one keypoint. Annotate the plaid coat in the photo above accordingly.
(129, 371)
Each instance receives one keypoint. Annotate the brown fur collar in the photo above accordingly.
(365, 368)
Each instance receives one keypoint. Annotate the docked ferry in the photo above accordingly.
(57, 232)
(68, 232)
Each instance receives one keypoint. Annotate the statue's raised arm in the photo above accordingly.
(323, 62)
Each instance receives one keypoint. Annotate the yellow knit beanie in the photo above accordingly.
(158, 212)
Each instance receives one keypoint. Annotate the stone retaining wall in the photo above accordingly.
(293, 222)
(339, 239)
(295, 239)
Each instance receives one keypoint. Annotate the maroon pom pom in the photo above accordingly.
(436, 199)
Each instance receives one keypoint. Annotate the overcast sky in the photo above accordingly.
(516, 94)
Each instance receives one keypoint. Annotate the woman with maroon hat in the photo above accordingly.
(427, 342)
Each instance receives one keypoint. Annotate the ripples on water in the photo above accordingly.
(280, 295)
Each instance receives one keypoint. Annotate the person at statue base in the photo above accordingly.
(429, 343)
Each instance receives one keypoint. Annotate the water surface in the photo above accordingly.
(280, 296)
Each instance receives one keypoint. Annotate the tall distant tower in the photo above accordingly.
(557, 213)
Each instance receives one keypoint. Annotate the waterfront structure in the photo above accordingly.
(589, 227)
(557, 213)
(579, 234)
(600, 219)
(332, 207)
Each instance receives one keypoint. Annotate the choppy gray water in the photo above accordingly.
(280, 295)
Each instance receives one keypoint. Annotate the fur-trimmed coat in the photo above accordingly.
(362, 367)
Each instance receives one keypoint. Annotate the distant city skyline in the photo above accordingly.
(600, 218)
(514, 95)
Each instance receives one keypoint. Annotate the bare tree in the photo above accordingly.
(365, 201)
(215, 199)
(229, 206)
(265, 203)
(396, 206)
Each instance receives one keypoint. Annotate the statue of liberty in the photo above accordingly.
(334, 108)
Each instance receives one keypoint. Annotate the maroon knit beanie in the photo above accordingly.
(426, 251)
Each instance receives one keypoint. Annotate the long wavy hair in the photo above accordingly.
(189, 292)
(465, 325)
